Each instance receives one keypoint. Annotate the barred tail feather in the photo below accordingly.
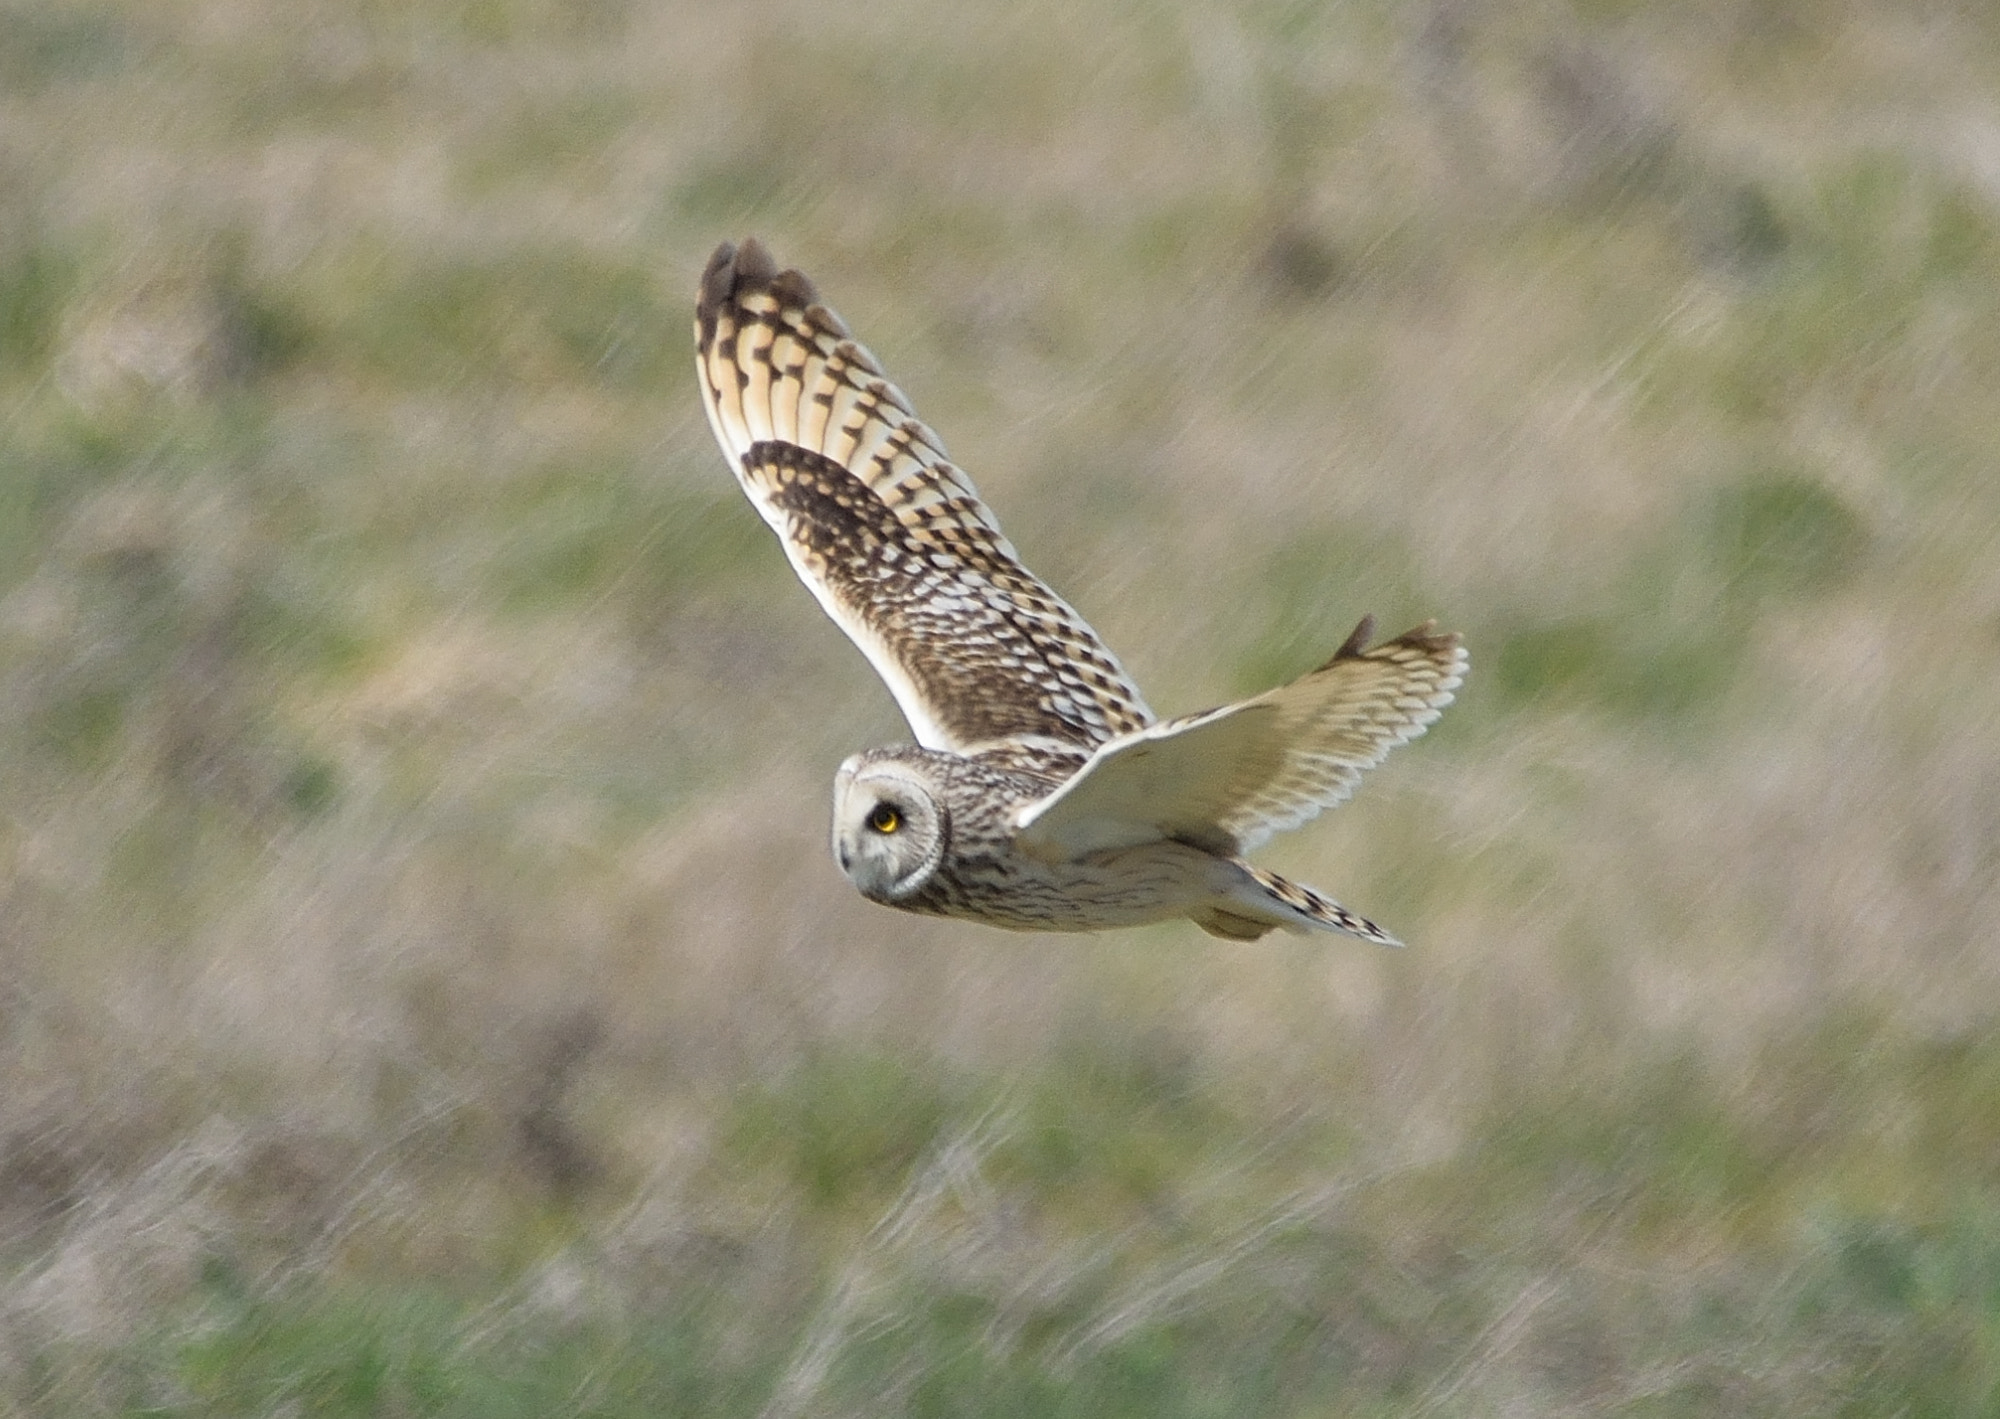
(1261, 900)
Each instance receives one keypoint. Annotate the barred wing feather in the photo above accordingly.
(886, 532)
(1227, 779)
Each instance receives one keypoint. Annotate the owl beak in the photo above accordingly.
(841, 853)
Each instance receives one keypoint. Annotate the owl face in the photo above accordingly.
(889, 828)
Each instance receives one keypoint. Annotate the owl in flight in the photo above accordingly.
(1041, 794)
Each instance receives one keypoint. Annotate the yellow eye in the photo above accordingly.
(884, 819)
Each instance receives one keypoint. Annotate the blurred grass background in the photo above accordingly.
(424, 989)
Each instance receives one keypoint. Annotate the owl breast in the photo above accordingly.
(1133, 886)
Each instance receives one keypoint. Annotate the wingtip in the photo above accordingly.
(754, 261)
(1357, 639)
(1426, 638)
(718, 284)
(733, 269)
(1429, 637)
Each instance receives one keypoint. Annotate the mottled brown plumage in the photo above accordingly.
(1041, 794)
(888, 534)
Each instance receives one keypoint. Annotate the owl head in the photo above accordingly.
(890, 827)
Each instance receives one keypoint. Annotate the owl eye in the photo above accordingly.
(884, 819)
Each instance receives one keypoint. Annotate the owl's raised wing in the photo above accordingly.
(1228, 778)
(886, 532)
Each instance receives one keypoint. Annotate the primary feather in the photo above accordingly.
(1227, 779)
(889, 535)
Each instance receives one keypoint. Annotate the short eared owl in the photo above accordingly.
(1042, 794)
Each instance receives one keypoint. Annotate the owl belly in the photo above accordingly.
(1124, 887)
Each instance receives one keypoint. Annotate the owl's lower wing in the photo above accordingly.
(1228, 778)
(883, 529)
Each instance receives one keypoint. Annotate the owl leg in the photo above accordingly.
(1229, 925)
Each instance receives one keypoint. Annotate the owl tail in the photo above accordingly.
(1258, 900)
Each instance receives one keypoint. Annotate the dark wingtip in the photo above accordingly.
(754, 261)
(793, 288)
(747, 267)
(718, 283)
(1428, 637)
(1357, 640)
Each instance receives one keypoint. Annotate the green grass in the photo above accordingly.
(423, 988)
(1001, 1246)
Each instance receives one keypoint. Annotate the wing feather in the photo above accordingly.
(1227, 779)
(888, 534)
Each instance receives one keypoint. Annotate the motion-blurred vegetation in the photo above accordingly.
(423, 986)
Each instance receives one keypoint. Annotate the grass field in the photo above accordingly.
(424, 988)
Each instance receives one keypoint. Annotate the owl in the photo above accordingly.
(1041, 793)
